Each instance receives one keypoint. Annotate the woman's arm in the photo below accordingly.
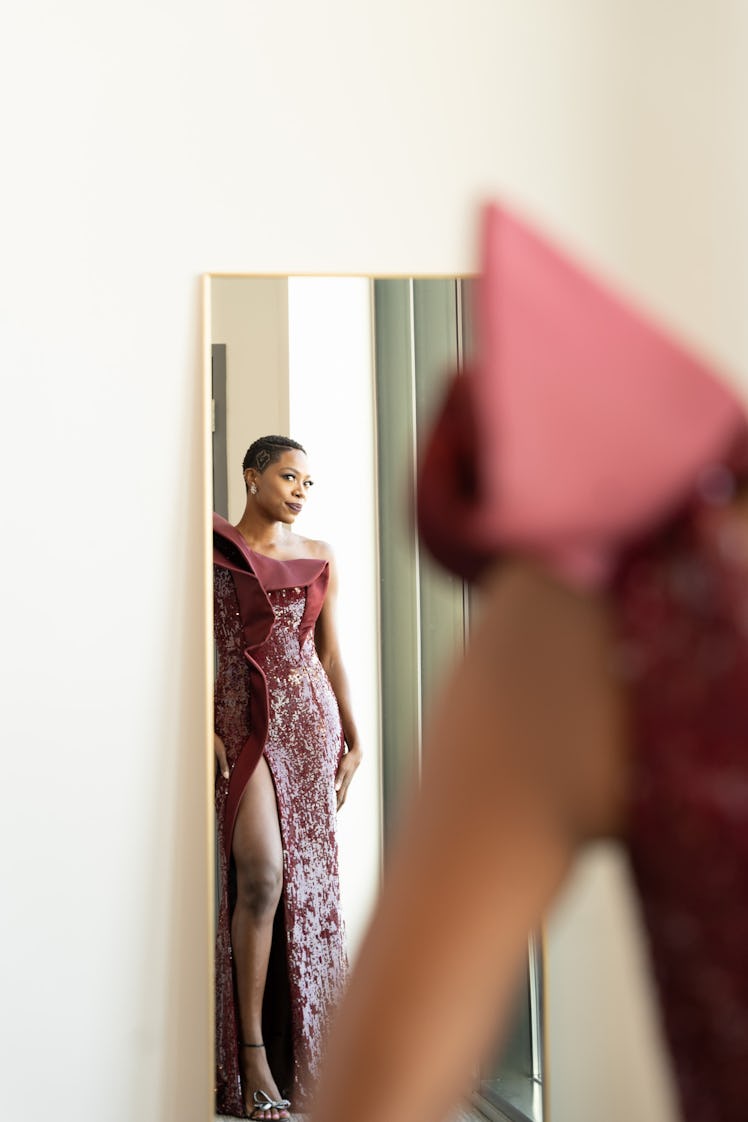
(328, 649)
(523, 758)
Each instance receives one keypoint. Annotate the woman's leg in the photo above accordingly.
(258, 857)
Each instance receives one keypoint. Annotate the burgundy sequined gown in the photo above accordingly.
(273, 698)
(588, 440)
(681, 604)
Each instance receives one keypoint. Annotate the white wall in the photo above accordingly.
(140, 149)
(604, 1040)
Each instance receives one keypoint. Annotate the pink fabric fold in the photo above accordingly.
(582, 426)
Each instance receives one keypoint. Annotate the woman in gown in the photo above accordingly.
(286, 750)
(590, 474)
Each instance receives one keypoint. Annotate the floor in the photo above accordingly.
(294, 1118)
(460, 1116)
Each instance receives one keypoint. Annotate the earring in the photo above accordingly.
(253, 488)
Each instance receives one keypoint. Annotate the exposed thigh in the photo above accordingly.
(257, 836)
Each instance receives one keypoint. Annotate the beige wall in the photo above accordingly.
(250, 315)
(141, 150)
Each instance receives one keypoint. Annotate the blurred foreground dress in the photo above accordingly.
(273, 698)
(588, 440)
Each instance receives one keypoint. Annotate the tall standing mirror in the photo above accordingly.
(352, 367)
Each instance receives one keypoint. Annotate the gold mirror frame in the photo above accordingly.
(537, 951)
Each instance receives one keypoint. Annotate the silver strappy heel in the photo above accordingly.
(264, 1103)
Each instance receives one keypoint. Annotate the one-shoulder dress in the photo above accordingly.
(588, 440)
(274, 699)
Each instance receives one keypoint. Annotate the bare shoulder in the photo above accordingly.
(315, 548)
(537, 620)
(529, 597)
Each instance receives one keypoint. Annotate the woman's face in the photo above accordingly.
(284, 486)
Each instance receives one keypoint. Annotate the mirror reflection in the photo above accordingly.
(332, 631)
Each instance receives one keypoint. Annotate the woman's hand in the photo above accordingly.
(346, 768)
(221, 760)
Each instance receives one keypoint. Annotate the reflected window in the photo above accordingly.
(423, 333)
(510, 1082)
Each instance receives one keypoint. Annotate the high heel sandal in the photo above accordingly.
(263, 1103)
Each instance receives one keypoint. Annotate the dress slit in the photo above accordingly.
(299, 734)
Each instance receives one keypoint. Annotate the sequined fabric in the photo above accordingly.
(682, 603)
(302, 747)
